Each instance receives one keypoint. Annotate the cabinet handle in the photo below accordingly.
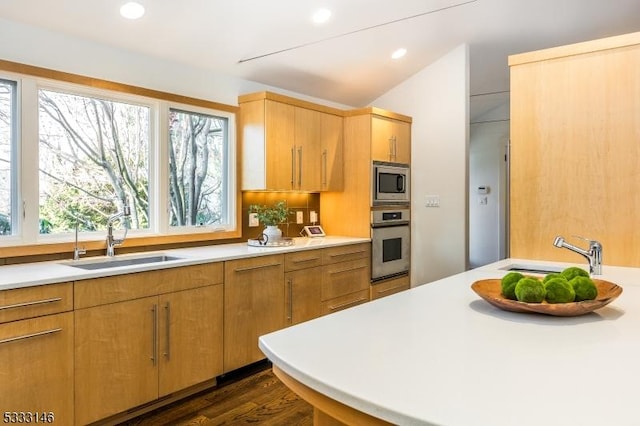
(293, 167)
(309, 259)
(340, 271)
(28, 336)
(391, 148)
(251, 268)
(290, 311)
(324, 168)
(347, 254)
(299, 167)
(387, 290)
(37, 302)
(167, 311)
(154, 336)
(395, 148)
(344, 305)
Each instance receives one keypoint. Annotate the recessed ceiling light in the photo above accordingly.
(321, 16)
(399, 53)
(132, 10)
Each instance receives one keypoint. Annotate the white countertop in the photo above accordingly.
(31, 274)
(440, 355)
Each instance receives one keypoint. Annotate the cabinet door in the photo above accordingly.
(36, 367)
(116, 356)
(253, 306)
(307, 150)
(390, 140)
(281, 155)
(331, 142)
(303, 295)
(190, 337)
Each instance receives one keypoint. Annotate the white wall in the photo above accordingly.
(38, 47)
(487, 167)
(438, 100)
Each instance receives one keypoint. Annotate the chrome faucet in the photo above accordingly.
(77, 251)
(113, 242)
(593, 255)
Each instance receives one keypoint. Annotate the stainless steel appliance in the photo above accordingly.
(390, 183)
(390, 243)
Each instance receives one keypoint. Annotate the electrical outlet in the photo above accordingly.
(253, 220)
(313, 216)
(299, 216)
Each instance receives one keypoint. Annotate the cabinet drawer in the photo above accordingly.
(389, 287)
(118, 288)
(37, 367)
(344, 253)
(344, 278)
(30, 302)
(344, 302)
(302, 260)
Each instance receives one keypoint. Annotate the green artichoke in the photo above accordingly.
(530, 290)
(508, 284)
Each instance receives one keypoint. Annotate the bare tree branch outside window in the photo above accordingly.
(7, 94)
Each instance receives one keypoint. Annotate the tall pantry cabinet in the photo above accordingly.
(575, 128)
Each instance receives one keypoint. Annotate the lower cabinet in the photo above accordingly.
(132, 352)
(254, 304)
(389, 287)
(36, 370)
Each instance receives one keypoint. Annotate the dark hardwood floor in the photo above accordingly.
(251, 396)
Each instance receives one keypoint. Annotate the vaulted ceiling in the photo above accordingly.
(346, 60)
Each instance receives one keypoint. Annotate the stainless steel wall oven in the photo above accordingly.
(390, 243)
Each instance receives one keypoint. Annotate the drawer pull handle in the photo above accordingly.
(387, 290)
(344, 305)
(37, 302)
(28, 336)
(251, 268)
(309, 259)
(341, 271)
(347, 254)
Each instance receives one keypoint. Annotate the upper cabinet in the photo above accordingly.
(290, 145)
(390, 139)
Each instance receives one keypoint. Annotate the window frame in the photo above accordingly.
(29, 80)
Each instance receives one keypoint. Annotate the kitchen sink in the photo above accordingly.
(115, 262)
(533, 268)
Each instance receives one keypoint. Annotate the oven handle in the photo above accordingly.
(390, 225)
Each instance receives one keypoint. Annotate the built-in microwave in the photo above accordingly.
(390, 183)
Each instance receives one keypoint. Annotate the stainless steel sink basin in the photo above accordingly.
(115, 262)
(533, 268)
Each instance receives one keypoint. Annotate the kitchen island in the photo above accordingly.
(440, 355)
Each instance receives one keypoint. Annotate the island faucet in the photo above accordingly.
(593, 255)
(77, 251)
(113, 242)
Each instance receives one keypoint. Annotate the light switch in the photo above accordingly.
(299, 216)
(432, 201)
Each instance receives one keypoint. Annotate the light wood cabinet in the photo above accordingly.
(254, 304)
(36, 367)
(331, 151)
(130, 352)
(575, 122)
(389, 287)
(346, 274)
(303, 286)
(288, 144)
(390, 140)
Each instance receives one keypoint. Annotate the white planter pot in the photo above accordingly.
(273, 233)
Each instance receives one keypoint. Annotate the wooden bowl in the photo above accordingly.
(491, 291)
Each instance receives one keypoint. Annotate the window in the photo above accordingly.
(198, 165)
(7, 152)
(94, 159)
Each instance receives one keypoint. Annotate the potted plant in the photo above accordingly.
(271, 217)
